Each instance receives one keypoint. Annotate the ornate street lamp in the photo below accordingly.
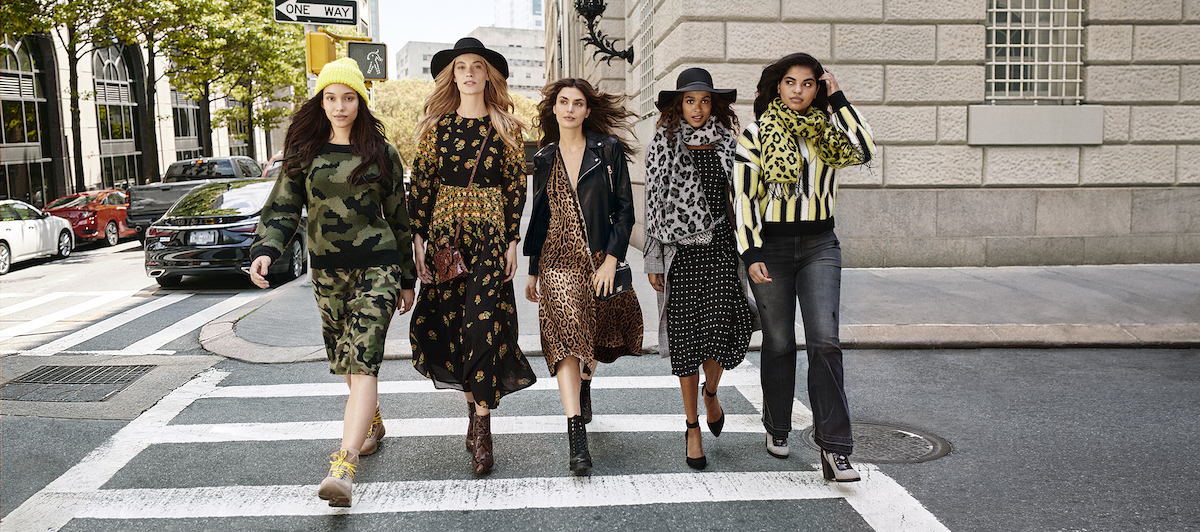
(590, 10)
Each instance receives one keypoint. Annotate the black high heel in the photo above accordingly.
(694, 463)
(714, 426)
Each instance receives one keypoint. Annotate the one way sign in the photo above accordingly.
(332, 12)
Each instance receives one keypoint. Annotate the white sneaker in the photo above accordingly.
(338, 486)
(777, 447)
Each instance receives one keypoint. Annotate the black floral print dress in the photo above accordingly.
(464, 331)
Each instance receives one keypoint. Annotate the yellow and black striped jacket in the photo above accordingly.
(781, 209)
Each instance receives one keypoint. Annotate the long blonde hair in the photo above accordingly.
(445, 100)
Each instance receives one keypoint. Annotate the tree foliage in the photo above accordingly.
(398, 103)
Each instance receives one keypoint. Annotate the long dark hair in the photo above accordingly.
(672, 115)
(310, 131)
(768, 84)
(608, 113)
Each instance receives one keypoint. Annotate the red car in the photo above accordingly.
(94, 215)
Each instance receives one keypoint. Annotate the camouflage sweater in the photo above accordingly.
(348, 226)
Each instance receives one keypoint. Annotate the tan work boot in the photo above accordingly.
(337, 487)
(374, 434)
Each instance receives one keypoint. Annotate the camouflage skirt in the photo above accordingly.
(356, 310)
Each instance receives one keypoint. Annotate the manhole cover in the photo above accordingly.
(72, 383)
(887, 444)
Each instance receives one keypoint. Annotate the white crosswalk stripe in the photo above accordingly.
(879, 500)
(92, 331)
(189, 324)
(100, 299)
(32, 303)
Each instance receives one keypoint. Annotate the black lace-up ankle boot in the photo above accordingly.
(581, 459)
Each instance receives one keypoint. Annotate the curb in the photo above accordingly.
(220, 337)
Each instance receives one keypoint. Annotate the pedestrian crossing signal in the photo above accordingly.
(371, 58)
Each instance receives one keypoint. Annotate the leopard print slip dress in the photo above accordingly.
(573, 322)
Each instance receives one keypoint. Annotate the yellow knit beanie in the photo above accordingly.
(346, 71)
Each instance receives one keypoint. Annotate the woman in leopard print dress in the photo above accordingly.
(578, 231)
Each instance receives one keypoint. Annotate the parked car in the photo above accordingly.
(27, 233)
(148, 202)
(95, 215)
(210, 230)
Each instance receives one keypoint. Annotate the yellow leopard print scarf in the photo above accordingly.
(779, 130)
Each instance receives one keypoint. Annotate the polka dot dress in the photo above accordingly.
(707, 313)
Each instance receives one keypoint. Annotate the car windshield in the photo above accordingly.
(71, 201)
(234, 198)
(199, 169)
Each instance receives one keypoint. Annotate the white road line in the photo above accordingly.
(32, 303)
(884, 504)
(399, 428)
(736, 377)
(102, 327)
(189, 324)
(57, 503)
(101, 299)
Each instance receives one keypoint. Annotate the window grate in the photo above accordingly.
(1035, 50)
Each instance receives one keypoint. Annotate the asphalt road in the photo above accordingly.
(1050, 440)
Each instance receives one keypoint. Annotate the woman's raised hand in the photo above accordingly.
(831, 84)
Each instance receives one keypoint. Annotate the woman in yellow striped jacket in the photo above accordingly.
(785, 187)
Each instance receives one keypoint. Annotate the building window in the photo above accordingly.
(115, 110)
(1035, 50)
(645, 50)
(22, 108)
(238, 131)
(186, 113)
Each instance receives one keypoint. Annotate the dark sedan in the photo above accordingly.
(210, 230)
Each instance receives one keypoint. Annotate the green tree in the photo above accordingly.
(398, 104)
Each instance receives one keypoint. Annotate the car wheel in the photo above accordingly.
(169, 281)
(5, 258)
(296, 264)
(111, 236)
(64, 244)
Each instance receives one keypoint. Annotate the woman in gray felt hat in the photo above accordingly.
(705, 319)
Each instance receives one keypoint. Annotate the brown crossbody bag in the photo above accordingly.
(448, 263)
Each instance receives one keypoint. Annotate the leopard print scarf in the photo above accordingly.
(676, 210)
(779, 130)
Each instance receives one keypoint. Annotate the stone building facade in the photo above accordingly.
(1105, 170)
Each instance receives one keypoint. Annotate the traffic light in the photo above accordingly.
(318, 50)
(371, 58)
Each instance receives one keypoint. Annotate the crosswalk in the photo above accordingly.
(29, 318)
(81, 492)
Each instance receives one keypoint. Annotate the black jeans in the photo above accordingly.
(807, 269)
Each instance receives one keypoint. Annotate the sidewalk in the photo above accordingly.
(1155, 305)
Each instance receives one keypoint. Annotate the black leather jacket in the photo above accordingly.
(605, 196)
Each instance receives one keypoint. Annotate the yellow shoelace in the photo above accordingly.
(377, 422)
(339, 467)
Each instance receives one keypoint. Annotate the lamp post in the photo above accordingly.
(591, 10)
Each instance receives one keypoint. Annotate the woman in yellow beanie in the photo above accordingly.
(341, 168)
(468, 191)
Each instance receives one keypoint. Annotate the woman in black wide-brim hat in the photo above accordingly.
(705, 319)
(468, 190)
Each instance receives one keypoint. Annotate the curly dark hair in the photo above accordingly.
(310, 131)
(672, 115)
(768, 84)
(608, 113)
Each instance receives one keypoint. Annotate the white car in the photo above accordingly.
(27, 233)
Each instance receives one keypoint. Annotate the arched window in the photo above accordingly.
(24, 170)
(116, 112)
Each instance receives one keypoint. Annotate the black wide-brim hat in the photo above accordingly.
(467, 45)
(694, 79)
